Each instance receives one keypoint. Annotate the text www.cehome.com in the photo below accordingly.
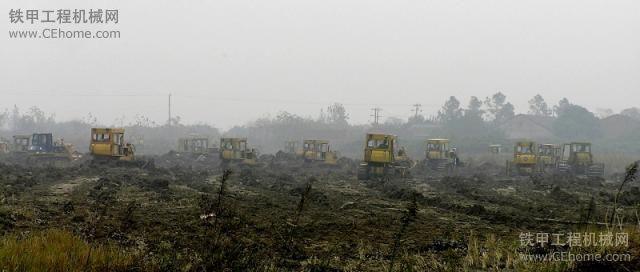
(57, 33)
(576, 257)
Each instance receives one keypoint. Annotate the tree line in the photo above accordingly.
(472, 127)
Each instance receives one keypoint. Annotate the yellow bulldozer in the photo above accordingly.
(109, 144)
(439, 156)
(236, 150)
(548, 157)
(21, 143)
(318, 151)
(383, 157)
(196, 145)
(577, 159)
(525, 159)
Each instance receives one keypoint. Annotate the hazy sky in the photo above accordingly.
(229, 62)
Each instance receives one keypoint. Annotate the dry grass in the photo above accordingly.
(495, 254)
(59, 250)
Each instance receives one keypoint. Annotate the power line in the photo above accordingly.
(416, 110)
(169, 121)
(209, 97)
(376, 115)
(84, 94)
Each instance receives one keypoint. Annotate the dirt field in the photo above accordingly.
(186, 215)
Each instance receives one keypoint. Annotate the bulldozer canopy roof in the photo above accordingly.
(194, 139)
(438, 140)
(377, 136)
(581, 143)
(316, 141)
(549, 145)
(233, 139)
(107, 130)
(524, 143)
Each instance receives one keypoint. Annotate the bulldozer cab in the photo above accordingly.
(440, 156)
(525, 158)
(577, 159)
(438, 149)
(548, 155)
(380, 148)
(21, 143)
(108, 143)
(524, 148)
(495, 149)
(577, 153)
(315, 149)
(524, 153)
(548, 150)
(41, 142)
(233, 144)
(195, 145)
(236, 149)
(318, 150)
(383, 157)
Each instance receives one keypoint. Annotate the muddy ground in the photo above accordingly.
(177, 213)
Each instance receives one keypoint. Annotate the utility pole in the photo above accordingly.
(376, 115)
(416, 110)
(169, 121)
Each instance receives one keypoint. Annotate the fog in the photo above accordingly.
(230, 62)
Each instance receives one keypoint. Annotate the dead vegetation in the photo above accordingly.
(289, 217)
